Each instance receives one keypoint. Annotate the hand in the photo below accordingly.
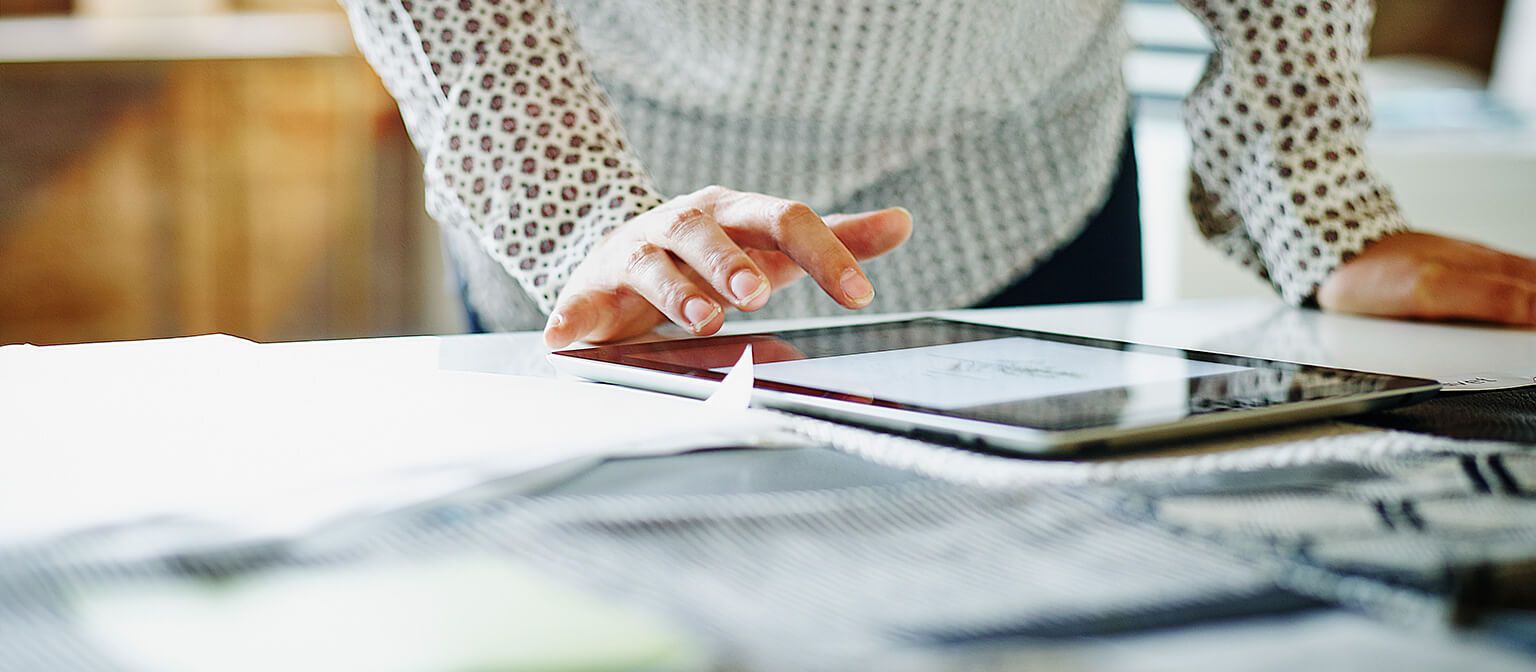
(1424, 276)
(693, 256)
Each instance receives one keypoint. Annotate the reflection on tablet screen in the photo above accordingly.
(982, 373)
(1016, 377)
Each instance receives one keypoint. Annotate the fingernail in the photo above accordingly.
(552, 336)
(747, 286)
(856, 288)
(699, 312)
(906, 212)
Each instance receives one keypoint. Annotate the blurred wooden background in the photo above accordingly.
(269, 196)
(265, 199)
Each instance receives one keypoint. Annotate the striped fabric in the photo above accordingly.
(933, 573)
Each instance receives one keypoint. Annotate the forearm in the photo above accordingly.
(1278, 122)
(519, 143)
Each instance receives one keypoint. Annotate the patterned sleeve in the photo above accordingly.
(1279, 179)
(520, 145)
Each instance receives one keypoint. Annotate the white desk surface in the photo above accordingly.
(1309, 640)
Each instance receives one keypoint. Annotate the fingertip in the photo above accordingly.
(712, 327)
(905, 228)
(857, 290)
(556, 332)
(703, 316)
(751, 288)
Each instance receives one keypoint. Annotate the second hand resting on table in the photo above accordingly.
(697, 255)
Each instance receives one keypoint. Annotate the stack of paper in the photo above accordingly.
(224, 435)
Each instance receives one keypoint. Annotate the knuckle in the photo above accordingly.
(792, 216)
(1427, 281)
(683, 225)
(721, 260)
(1507, 299)
(642, 258)
(711, 192)
(795, 211)
(672, 293)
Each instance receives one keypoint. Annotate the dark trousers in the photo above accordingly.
(1102, 264)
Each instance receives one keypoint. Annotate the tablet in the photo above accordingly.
(1001, 389)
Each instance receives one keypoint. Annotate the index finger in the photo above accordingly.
(768, 223)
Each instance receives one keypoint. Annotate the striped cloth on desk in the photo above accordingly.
(1432, 514)
(916, 575)
(908, 573)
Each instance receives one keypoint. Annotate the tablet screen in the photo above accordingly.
(984, 373)
(1034, 379)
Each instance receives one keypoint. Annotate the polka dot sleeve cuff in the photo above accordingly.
(1279, 178)
(520, 144)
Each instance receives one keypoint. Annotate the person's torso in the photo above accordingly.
(997, 123)
(816, 99)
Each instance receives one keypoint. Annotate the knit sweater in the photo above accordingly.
(996, 123)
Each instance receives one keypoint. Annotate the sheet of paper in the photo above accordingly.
(735, 392)
(271, 440)
(978, 373)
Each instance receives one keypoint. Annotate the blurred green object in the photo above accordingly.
(478, 613)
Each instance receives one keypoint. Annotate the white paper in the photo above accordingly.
(735, 392)
(979, 373)
(271, 439)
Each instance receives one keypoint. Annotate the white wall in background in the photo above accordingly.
(1178, 263)
(1514, 69)
(1472, 184)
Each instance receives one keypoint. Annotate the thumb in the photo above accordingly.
(871, 234)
